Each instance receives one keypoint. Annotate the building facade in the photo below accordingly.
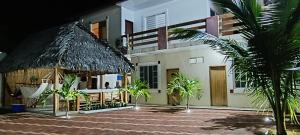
(144, 26)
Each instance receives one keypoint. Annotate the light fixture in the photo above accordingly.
(268, 119)
(137, 108)
(66, 117)
(188, 110)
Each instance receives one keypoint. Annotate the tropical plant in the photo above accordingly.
(273, 46)
(185, 86)
(137, 89)
(65, 92)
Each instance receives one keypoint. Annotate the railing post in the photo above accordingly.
(162, 38)
(212, 25)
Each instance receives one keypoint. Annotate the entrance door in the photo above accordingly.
(218, 87)
(173, 99)
(128, 27)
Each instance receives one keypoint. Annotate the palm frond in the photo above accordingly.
(138, 88)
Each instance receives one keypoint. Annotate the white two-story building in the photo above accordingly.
(141, 29)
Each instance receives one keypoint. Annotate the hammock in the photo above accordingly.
(30, 92)
(75, 84)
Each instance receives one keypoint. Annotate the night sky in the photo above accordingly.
(19, 18)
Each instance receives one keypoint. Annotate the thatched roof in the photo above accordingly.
(70, 47)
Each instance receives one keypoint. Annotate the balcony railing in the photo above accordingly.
(159, 38)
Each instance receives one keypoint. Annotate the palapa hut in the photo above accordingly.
(69, 48)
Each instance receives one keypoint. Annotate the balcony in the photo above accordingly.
(160, 39)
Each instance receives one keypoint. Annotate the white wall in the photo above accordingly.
(178, 11)
(126, 14)
(111, 79)
(114, 28)
(179, 58)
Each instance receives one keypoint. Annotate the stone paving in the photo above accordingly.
(145, 121)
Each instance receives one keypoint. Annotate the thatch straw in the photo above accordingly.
(70, 47)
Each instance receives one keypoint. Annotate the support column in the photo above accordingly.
(122, 96)
(124, 84)
(56, 96)
(78, 103)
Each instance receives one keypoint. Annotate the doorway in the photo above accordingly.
(128, 27)
(218, 86)
(174, 98)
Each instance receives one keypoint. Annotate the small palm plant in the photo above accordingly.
(186, 87)
(137, 89)
(65, 92)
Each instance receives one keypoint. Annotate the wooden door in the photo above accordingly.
(218, 86)
(128, 27)
(173, 99)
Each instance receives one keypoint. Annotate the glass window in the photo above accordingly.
(148, 74)
(240, 79)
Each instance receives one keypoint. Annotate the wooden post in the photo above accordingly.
(89, 81)
(101, 93)
(124, 84)
(162, 38)
(121, 96)
(212, 25)
(78, 103)
(56, 96)
(103, 98)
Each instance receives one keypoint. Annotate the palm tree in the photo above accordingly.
(273, 45)
(186, 87)
(65, 92)
(137, 89)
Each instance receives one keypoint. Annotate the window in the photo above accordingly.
(99, 29)
(155, 21)
(240, 79)
(148, 74)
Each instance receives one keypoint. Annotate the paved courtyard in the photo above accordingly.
(146, 121)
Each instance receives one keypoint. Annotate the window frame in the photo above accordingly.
(155, 14)
(150, 76)
(240, 80)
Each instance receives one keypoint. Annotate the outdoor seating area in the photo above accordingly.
(39, 78)
(103, 99)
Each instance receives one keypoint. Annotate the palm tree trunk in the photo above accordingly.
(187, 102)
(67, 109)
(135, 102)
(278, 112)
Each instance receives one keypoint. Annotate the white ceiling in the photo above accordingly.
(141, 4)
